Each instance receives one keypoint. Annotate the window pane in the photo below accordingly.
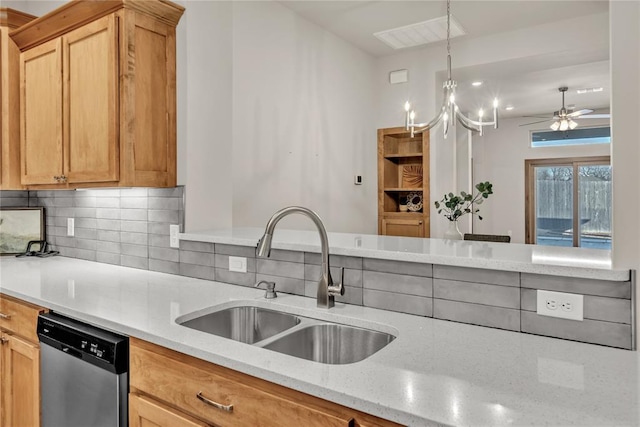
(554, 206)
(594, 189)
(580, 136)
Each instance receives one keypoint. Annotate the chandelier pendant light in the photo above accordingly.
(449, 112)
(565, 117)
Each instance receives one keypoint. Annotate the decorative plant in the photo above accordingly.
(454, 206)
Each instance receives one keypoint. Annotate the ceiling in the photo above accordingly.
(530, 84)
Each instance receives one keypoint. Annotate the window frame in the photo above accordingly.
(532, 131)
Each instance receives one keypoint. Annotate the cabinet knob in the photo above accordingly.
(3, 340)
(419, 222)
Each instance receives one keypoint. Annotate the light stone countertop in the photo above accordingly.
(559, 261)
(434, 373)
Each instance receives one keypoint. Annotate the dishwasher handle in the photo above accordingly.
(71, 352)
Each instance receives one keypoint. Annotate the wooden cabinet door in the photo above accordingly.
(403, 227)
(41, 113)
(90, 74)
(20, 383)
(145, 412)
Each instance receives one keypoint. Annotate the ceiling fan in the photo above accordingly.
(563, 119)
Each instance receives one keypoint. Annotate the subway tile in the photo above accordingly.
(477, 314)
(222, 261)
(352, 295)
(104, 213)
(134, 262)
(334, 260)
(575, 285)
(133, 192)
(134, 250)
(84, 202)
(69, 242)
(172, 217)
(108, 257)
(199, 258)
(86, 223)
(56, 231)
(590, 331)
(397, 283)
(134, 203)
(90, 245)
(108, 236)
(86, 254)
(68, 212)
(81, 213)
(476, 275)
(197, 271)
(280, 268)
(166, 192)
(595, 308)
(166, 203)
(158, 228)
(397, 267)
(57, 221)
(479, 293)
(165, 254)
(134, 238)
(63, 202)
(133, 214)
(14, 203)
(134, 226)
(108, 202)
(196, 246)
(164, 266)
(14, 193)
(102, 192)
(351, 277)
(108, 224)
(243, 279)
(410, 304)
(67, 252)
(284, 255)
(159, 240)
(287, 285)
(233, 250)
(64, 193)
(86, 233)
(112, 247)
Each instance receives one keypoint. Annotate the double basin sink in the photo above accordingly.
(299, 336)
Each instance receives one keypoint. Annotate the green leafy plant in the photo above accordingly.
(454, 206)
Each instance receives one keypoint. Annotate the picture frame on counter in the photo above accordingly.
(19, 226)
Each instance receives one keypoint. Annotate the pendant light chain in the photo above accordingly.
(448, 27)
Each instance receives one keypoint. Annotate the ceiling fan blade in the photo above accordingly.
(594, 116)
(579, 113)
(534, 123)
(540, 117)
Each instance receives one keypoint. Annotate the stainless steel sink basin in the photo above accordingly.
(246, 324)
(331, 343)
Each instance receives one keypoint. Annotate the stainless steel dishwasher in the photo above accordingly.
(83, 373)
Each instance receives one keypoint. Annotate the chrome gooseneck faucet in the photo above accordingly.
(326, 289)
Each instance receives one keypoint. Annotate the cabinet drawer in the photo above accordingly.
(19, 318)
(178, 380)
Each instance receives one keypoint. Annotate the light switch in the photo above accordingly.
(238, 264)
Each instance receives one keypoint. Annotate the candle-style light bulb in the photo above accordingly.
(481, 114)
(407, 106)
(495, 113)
(495, 103)
(412, 115)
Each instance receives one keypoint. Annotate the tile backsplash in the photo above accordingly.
(130, 227)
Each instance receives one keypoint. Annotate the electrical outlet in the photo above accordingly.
(238, 264)
(174, 241)
(560, 304)
(71, 227)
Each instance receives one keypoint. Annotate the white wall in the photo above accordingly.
(425, 94)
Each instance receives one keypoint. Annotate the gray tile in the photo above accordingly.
(164, 266)
(86, 233)
(595, 308)
(199, 258)
(58, 221)
(134, 262)
(108, 257)
(222, 261)
(108, 224)
(268, 266)
(591, 331)
(477, 314)
(107, 202)
(158, 228)
(398, 283)
(165, 254)
(477, 275)
(197, 271)
(134, 250)
(245, 251)
(84, 202)
(90, 245)
(66, 252)
(134, 226)
(63, 202)
(108, 236)
(104, 213)
(196, 246)
(89, 255)
(15, 203)
(56, 231)
(576, 285)
(283, 255)
(82, 213)
(284, 284)
(102, 192)
(14, 193)
(69, 242)
(113, 247)
(159, 240)
(134, 238)
(133, 192)
(64, 193)
(166, 203)
(398, 267)
(226, 276)
(134, 203)
(410, 304)
(86, 223)
(351, 295)
(479, 293)
(133, 214)
(172, 217)
(70, 212)
(166, 192)
(351, 277)
(334, 260)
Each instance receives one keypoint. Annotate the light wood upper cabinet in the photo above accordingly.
(117, 121)
(10, 19)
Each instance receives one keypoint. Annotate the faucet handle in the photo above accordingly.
(270, 289)
(338, 289)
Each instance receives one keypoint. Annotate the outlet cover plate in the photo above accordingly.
(174, 240)
(71, 227)
(238, 264)
(567, 306)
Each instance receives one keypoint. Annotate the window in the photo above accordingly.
(581, 136)
(568, 202)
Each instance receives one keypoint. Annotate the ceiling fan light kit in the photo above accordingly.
(449, 110)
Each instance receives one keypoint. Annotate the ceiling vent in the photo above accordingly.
(433, 30)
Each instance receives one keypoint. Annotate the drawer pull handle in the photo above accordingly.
(5, 316)
(228, 408)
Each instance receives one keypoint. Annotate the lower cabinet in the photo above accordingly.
(403, 227)
(170, 388)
